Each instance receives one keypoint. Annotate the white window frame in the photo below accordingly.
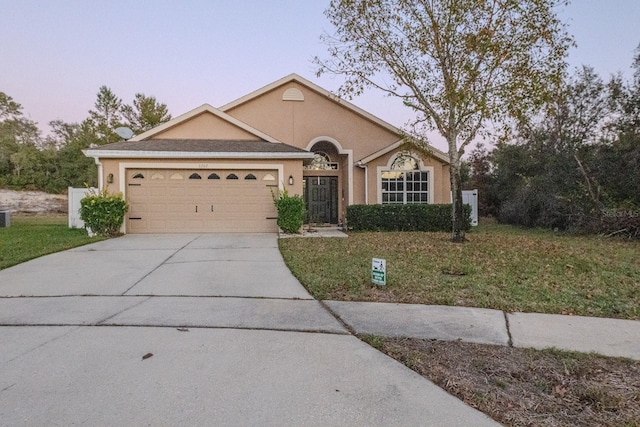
(421, 168)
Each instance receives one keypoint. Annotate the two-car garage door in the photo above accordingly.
(200, 201)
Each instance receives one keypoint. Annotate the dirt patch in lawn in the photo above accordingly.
(525, 387)
(32, 202)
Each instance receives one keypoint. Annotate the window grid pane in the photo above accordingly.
(405, 187)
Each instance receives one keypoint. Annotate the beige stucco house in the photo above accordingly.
(215, 169)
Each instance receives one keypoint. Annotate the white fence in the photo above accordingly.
(75, 195)
(470, 197)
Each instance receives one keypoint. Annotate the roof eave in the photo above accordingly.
(432, 151)
(126, 154)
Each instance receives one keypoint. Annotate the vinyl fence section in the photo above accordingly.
(75, 195)
(470, 197)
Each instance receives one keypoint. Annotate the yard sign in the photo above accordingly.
(379, 271)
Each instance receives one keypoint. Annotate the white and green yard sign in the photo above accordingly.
(379, 271)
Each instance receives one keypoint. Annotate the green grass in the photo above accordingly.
(500, 267)
(30, 237)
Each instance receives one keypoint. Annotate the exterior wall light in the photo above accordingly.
(290, 179)
(110, 178)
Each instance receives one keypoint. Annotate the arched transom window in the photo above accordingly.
(321, 162)
(404, 182)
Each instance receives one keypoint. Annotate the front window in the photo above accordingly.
(405, 183)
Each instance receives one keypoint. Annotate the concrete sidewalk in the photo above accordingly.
(608, 337)
(172, 312)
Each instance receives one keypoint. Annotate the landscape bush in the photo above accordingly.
(103, 212)
(418, 217)
(290, 212)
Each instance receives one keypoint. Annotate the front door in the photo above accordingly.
(321, 199)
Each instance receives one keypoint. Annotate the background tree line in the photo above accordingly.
(31, 161)
(576, 167)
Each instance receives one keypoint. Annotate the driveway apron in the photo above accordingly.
(192, 329)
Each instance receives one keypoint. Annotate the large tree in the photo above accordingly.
(17, 134)
(106, 117)
(146, 113)
(459, 64)
(76, 169)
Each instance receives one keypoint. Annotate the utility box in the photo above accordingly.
(5, 219)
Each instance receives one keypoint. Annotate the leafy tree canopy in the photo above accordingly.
(146, 113)
(457, 63)
(9, 109)
(107, 116)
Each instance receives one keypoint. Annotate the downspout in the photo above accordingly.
(366, 184)
(100, 177)
(97, 160)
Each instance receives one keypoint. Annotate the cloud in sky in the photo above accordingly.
(56, 54)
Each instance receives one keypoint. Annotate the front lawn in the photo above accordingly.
(501, 267)
(30, 237)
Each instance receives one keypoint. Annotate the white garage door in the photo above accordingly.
(201, 201)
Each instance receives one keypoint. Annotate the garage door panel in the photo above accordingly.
(166, 204)
(174, 190)
(176, 208)
(155, 191)
(233, 216)
(246, 198)
(196, 191)
(242, 208)
(156, 226)
(138, 226)
(156, 207)
(137, 208)
(135, 190)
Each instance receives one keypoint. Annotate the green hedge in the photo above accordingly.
(419, 217)
(290, 212)
(103, 212)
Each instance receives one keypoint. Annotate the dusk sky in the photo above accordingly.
(56, 54)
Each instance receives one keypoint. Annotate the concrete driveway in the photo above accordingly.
(194, 329)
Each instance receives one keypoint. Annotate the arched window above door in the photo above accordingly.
(321, 162)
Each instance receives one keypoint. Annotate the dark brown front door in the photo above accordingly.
(321, 199)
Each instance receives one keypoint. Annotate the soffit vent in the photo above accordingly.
(292, 94)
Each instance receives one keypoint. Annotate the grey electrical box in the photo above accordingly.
(5, 218)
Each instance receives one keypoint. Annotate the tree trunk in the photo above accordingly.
(457, 209)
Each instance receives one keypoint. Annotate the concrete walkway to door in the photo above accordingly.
(194, 329)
